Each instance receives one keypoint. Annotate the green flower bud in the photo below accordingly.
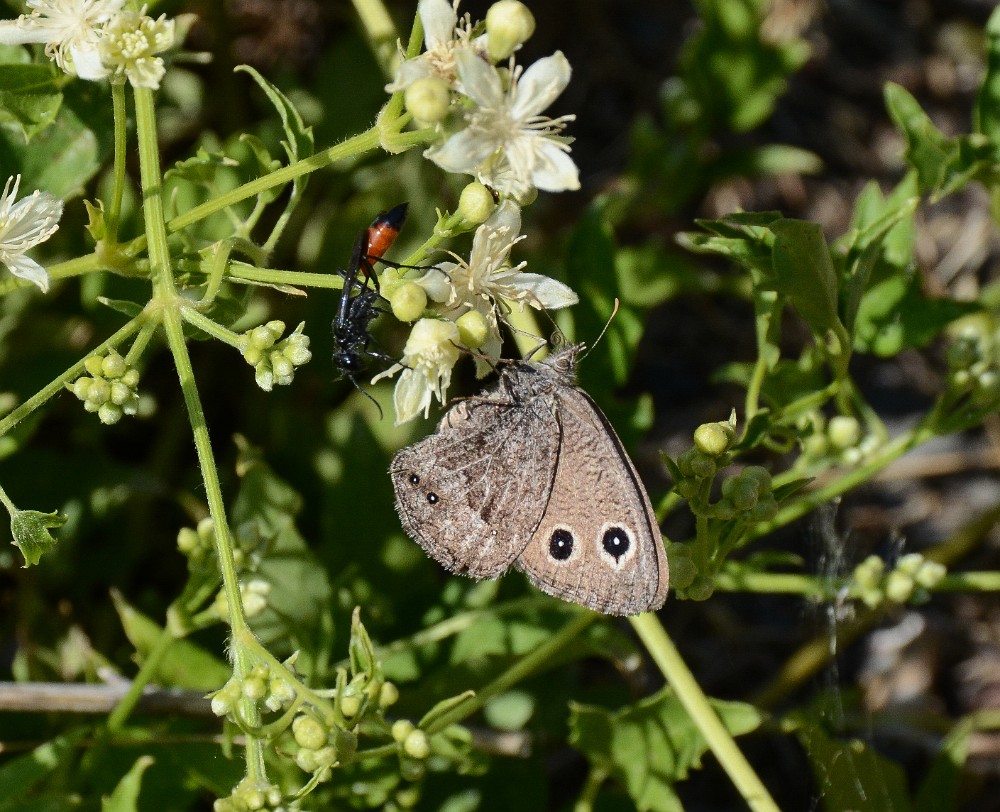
(930, 574)
(682, 572)
(326, 756)
(308, 732)
(402, 728)
(131, 378)
(388, 695)
(306, 760)
(702, 465)
(81, 388)
(899, 586)
(476, 203)
(686, 488)
(910, 563)
(94, 364)
(428, 99)
(350, 704)
(868, 574)
(713, 439)
(509, 24)
(723, 510)
(113, 365)
(473, 329)
(120, 393)
(254, 688)
(100, 391)
(412, 769)
(815, 445)
(408, 302)
(765, 509)
(759, 476)
(741, 492)
(844, 431)
(409, 797)
(701, 589)
(261, 338)
(109, 414)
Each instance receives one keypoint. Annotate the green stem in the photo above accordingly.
(58, 385)
(592, 786)
(214, 329)
(522, 669)
(7, 503)
(143, 678)
(165, 296)
(721, 743)
(381, 31)
(240, 271)
(811, 500)
(121, 147)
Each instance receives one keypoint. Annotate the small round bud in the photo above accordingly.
(869, 572)
(428, 99)
(899, 586)
(723, 510)
(509, 24)
(417, 745)
(308, 732)
(120, 393)
(473, 329)
(844, 431)
(131, 378)
(741, 492)
(187, 540)
(402, 728)
(326, 756)
(759, 476)
(254, 688)
(100, 391)
(682, 572)
(94, 364)
(930, 574)
(388, 695)
(686, 488)
(113, 366)
(408, 301)
(476, 203)
(409, 797)
(109, 414)
(815, 445)
(910, 563)
(350, 704)
(81, 388)
(765, 509)
(701, 589)
(306, 760)
(713, 438)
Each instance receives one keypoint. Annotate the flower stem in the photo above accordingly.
(165, 295)
(121, 153)
(721, 743)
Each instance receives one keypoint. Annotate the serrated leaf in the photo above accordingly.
(928, 150)
(651, 745)
(300, 137)
(30, 531)
(125, 797)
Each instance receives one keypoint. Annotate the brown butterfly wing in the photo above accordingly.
(598, 542)
(465, 493)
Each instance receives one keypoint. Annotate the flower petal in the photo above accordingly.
(26, 268)
(540, 85)
(13, 34)
(545, 291)
(480, 81)
(554, 170)
(438, 18)
(462, 152)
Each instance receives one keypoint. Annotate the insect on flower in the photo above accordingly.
(359, 298)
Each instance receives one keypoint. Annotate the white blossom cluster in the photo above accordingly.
(95, 39)
(490, 126)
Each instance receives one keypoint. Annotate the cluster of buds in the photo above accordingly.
(321, 746)
(414, 749)
(974, 361)
(274, 361)
(908, 581)
(110, 389)
(274, 691)
(253, 795)
(841, 438)
(253, 594)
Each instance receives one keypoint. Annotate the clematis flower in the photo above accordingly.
(429, 356)
(444, 36)
(23, 225)
(507, 144)
(70, 29)
(130, 44)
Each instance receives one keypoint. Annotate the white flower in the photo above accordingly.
(24, 225)
(130, 43)
(506, 143)
(444, 35)
(428, 358)
(70, 29)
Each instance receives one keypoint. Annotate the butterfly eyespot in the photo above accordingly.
(414, 479)
(561, 544)
(616, 542)
(433, 498)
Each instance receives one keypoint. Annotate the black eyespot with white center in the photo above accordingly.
(561, 544)
(433, 498)
(616, 543)
(414, 479)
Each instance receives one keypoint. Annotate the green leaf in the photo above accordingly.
(851, 775)
(443, 707)
(651, 745)
(21, 775)
(185, 665)
(805, 272)
(30, 531)
(125, 797)
(928, 150)
(30, 97)
(300, 137)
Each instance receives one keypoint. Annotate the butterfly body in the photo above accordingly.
(531, 475)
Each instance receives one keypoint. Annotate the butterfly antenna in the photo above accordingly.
(607, 324)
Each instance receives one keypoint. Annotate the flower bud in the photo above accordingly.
(473, 329)
(308, 732)
(844, 431)
(476, 203)
(109, 414)
(408, 302)
(899, 586)
(94, 364)
(416, 744)
(428, 99)
(388, 695)
(113, 365)
(713, 439)
(402, 728)
(509, 24)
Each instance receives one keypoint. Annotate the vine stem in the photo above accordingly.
(166, 302)
(661, 648)
(522, 669)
